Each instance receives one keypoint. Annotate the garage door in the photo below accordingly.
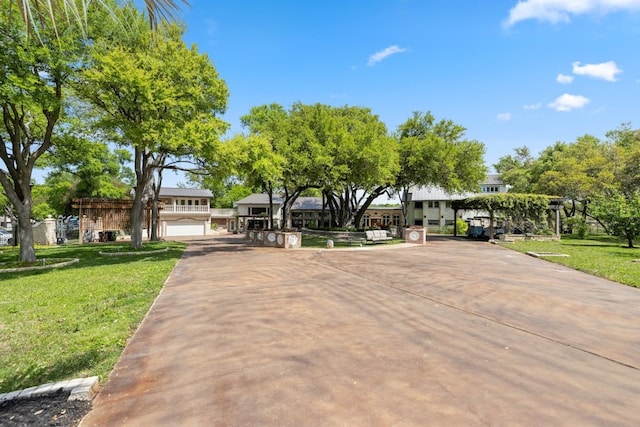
(185, 229)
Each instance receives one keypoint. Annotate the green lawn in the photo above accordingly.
(602, 256)
(321, 242)
(74, 321)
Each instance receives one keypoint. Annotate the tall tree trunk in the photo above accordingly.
(155, 211)
(144, 172)
(137, 218)
(25, 232)
(18, 189)
(370, 198)
(491, 233)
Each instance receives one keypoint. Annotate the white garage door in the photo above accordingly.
(185, 229)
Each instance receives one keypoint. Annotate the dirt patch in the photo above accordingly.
(50, 410)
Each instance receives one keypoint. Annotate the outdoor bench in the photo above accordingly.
(375, 236)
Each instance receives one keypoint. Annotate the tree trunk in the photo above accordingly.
(491, 234)
(630, 241)
(25, 232)
(370, 198)
(137, 217)
(155, 211)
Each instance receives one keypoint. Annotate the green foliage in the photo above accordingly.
(579, 226)
(35, 73)
(158, 96)
(516, 170)
(528, 205)
(41, 208)
(620, 214)
(462, 226)
(436, 153)
(43, 339)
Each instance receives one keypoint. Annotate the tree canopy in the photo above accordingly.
(158, 97)
(34, 77)
(600, 179)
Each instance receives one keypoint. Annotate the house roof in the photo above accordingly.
(307, 204)
(492, 180)
(433, 192)
(436, 193)
(259, 199)
(185, 192)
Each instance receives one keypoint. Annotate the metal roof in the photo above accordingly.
(492, 180)
(259, 199)
(436, 193)
(307, 204)
(185, 192)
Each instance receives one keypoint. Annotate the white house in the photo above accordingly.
(430, 206)
(185, 212)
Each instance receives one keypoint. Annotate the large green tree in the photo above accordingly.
(620, 213)
(79, 167)
(617, 204)
(159, 97)
(362, 159)
(436, 153)
(33, 78)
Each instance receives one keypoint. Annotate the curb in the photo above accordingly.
(80, 389)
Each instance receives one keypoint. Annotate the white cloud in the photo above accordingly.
(535, 106)
(385, 53)
(564, 79)
(555, 11)
(505, 117)
(567, 102)
(605, 70)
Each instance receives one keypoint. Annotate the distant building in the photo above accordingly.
(430, 206)
(253, 213)
(185, 212)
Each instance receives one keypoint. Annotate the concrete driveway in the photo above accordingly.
(452, 333)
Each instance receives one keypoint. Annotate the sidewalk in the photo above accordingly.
(452, 333)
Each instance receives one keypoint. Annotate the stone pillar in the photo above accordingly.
(50, 231)
(288, 240)
(415, 235)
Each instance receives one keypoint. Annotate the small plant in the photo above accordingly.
(579, 226)
(462, 226)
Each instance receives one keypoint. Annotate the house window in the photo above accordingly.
(366, 221)
(385, 219)
(418, 205)
(447, 204)
(258, 211)
(182, 202)
(189, 202)
(430, 204)
(418, 222)
(197, 202)
(396, 220)
(436, 204)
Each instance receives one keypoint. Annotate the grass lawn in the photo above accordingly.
(321, 242)
(602, 256)
(74, 321)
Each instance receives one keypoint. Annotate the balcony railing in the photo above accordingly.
(179, 209)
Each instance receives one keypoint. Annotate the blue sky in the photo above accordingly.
(513, 73)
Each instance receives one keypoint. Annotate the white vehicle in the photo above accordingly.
(6, 238)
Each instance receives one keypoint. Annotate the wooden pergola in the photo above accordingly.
(104, 216)
(531, 205)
